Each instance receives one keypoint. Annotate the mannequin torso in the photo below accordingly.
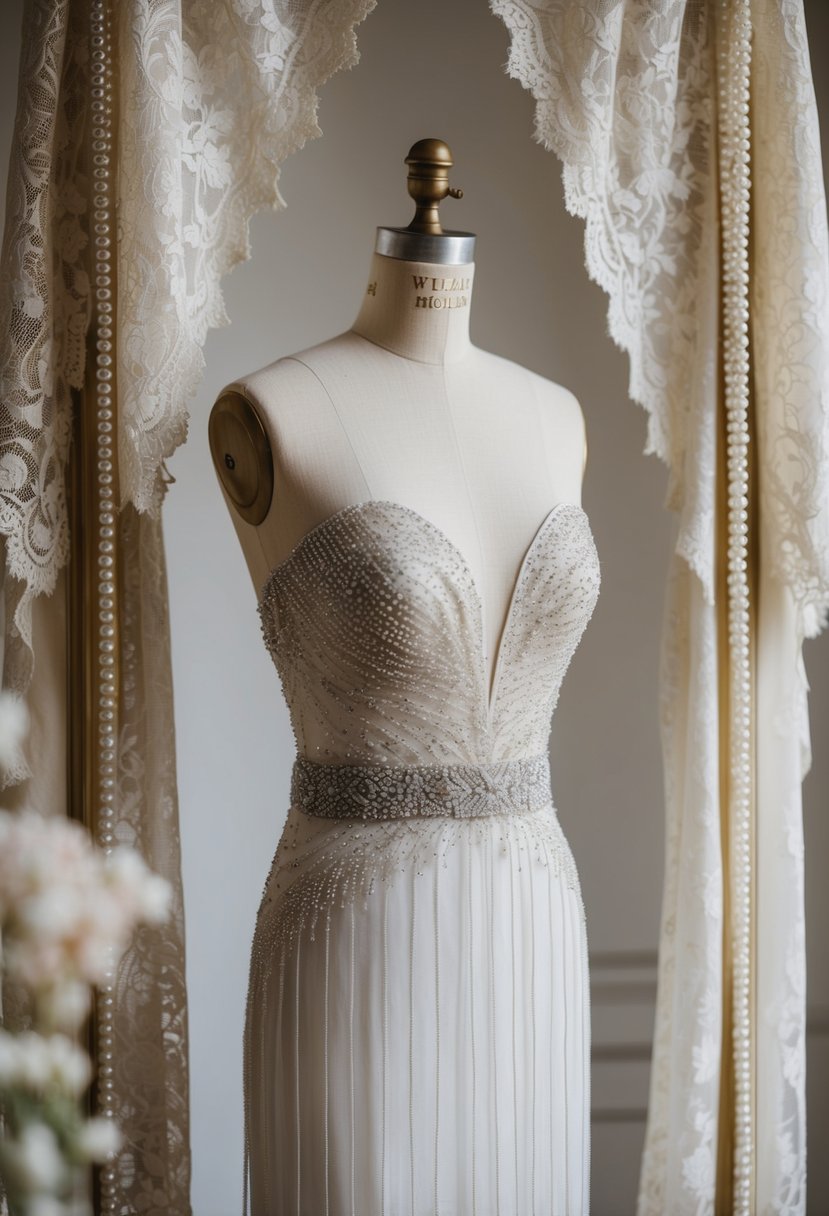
(403, 407)
(396, 492)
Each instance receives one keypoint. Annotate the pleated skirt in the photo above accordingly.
(417, 1036)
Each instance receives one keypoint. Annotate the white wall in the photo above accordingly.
(437, 69)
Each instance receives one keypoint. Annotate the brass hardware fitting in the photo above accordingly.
(429, 162)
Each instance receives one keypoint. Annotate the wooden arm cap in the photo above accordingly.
(242, 455)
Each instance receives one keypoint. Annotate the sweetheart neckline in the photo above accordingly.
(329, 520)
(489, 688)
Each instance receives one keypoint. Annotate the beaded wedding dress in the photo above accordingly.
(417, 1031)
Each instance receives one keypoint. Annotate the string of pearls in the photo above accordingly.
(734, 50)
(102, 526)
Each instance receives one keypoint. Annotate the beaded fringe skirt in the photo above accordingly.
(417, 1033)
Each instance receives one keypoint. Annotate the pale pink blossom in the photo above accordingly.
(99, 1139)
(34, 1062)
(32, 1161)
(67, 914)
(68, 911)
(64, 1004)
(47, 1205)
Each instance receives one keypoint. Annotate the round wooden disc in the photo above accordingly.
(242, 455)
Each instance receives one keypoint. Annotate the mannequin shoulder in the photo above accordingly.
(563, 413)
(243, 430)
(276, 384)
(262, 397)
(561, 409)
(255, 419)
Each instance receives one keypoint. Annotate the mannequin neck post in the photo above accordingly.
(418, 310)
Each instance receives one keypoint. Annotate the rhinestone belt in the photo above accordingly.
(380, 791)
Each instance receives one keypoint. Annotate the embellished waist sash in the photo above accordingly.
(380, 791)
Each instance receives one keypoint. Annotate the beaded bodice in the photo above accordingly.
(374, 623)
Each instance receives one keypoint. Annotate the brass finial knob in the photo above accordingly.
(429, 162)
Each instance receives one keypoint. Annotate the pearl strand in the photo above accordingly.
(104, 530)
(733, 83)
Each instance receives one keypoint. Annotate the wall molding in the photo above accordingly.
(624, 982)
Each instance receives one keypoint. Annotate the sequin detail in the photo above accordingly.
(321, 867)
(374, 624)
(386, 791)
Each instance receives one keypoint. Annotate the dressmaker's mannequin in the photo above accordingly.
(408, 465)
(402, 407)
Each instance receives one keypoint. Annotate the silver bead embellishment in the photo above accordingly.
(464, 791)
(735, 154)
(100, 18)
(374, 625)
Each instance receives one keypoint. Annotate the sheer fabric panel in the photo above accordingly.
(626, 96)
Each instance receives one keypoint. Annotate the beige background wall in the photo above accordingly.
(437, 69)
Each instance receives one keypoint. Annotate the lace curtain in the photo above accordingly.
(626, 96)
(212, 98)
(44, 311)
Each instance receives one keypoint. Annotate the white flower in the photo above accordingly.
(156, 900)
(52, 913)
(14, 725)
(30, 1061)
(71, 1207)
(126, 868)
(67, 912)
(33, 1160)
(99, 1138)
(70, 1067)
(145, 894)
(65, 1004)
(33, 1063)
(45, 1205)
(705, 1058)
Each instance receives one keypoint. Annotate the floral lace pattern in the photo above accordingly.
(202, 136)
(227, 92)
(679, 1162)
(790, 309)
(149, 1069)
(625, 95)
(211, 99)
(44, 309)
